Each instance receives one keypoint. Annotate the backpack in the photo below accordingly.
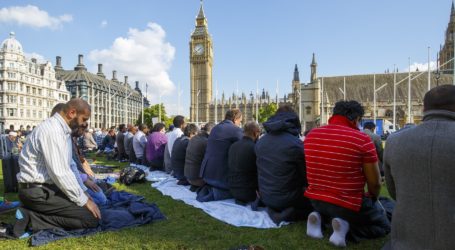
(130, 175)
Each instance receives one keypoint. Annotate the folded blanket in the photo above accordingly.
(122, 210)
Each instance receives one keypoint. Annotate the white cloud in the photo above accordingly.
(32, 16)
(103, 24)
(421, 66)
(144, 56)
(37, 56)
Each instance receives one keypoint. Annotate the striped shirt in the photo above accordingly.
(46, 158)
(334, 156)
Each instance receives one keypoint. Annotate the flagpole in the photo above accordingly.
(394, 98)
(257, 107)
(216, 102)
(142, 98)
(429, 72)
(374, 99)
(409, 91)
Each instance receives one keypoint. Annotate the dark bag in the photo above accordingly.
(130, 175)
(10, 167)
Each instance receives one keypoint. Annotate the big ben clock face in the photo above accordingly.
(198, 49)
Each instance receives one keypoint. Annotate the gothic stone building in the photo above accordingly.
(326, 91)
(205, 108)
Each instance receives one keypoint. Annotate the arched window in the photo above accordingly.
(308, 110)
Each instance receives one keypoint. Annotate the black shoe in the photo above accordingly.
(183, 182)
(193, 188)
(6, 231)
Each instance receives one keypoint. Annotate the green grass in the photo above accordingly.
(185, 228)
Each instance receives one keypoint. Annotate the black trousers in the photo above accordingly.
(48, 207)
(10, 167)
(370, 222)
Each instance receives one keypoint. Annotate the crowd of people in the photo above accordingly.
(330, 176)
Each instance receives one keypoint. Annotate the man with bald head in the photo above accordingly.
(49, 192)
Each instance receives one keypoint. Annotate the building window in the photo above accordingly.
(11, 86)
(22, 113)
(40, 103)
(40, 91)
(21, 100)
(40, 114)
(11, 112)
(28, 100)
(34, 113)
(11, 99)
(22, 87)
(28, 89)
(34, 102)
(34, 91)
(308, 110)
(28, 113)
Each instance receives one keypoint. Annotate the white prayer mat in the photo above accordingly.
(225, 210)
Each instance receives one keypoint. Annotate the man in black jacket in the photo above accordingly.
(281, 167)
(179, 153)
(243, 173)
(195, 154)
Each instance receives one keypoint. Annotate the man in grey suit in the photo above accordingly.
(420, 175)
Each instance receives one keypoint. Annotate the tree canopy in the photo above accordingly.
(153, 111)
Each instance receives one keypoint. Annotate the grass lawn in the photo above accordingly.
(185, 228)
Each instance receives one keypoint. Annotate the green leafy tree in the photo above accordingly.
(153, 111)
(266, 111)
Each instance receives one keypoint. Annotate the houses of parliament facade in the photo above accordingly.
(316, 98)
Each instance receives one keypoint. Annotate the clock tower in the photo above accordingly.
(201, 64)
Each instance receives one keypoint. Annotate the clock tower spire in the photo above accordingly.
(201, 64)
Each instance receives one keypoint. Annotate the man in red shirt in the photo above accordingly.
(340, 160)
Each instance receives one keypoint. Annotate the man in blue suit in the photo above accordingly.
(214, 168)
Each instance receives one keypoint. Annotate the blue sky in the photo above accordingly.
(255, 40)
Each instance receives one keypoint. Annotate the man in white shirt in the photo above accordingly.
(139, 142)
(49, 192)
(179, 125)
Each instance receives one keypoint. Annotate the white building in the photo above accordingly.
(28, 89)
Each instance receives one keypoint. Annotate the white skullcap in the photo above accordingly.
(12, 133)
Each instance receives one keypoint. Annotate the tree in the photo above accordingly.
(266, 111)
(153, 111)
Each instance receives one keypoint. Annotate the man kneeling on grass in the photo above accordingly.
(339, 160)
(281, 167)
(49, 192)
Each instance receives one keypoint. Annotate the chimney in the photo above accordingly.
(126, 80)
(114, 75)
(80, 63)
(58, 63)
(100, 71)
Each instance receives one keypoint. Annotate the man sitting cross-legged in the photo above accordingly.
(340, 160)
(243, 172)
(49, 191)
